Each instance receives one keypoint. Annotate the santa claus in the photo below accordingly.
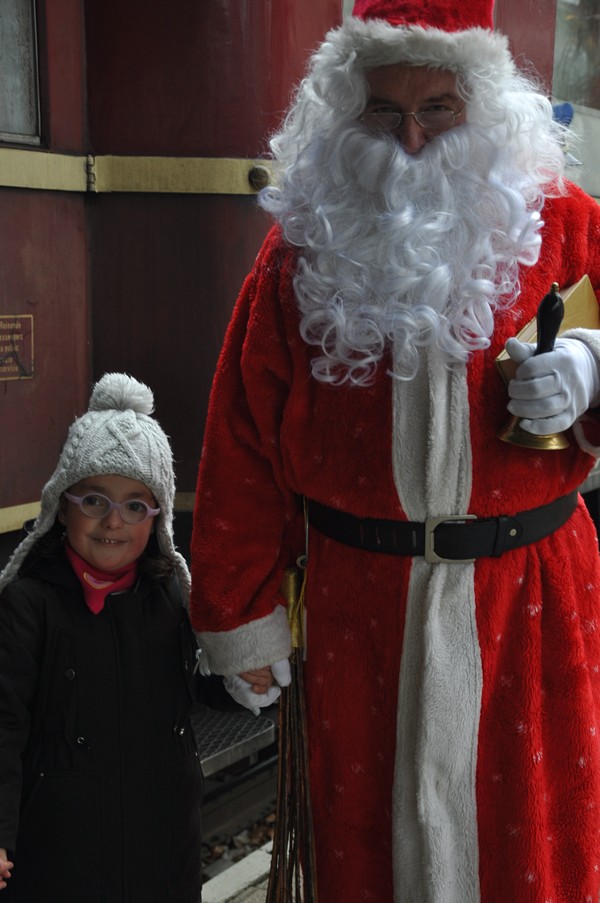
(453, 585)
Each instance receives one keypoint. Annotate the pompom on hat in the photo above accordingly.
(117, 435)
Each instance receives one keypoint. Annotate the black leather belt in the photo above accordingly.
(461, 538)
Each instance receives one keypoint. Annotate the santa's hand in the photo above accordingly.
(282, 673)
(551, 390)
(242, 692)
(255, 689)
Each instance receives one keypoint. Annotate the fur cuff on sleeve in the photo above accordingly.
(250, 646)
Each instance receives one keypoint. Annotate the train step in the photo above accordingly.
(225, 738)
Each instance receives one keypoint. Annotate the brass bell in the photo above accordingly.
(515, 435)
(549, 317)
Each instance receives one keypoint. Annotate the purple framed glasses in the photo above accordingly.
(96, 505)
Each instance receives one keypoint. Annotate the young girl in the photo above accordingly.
(100, 781)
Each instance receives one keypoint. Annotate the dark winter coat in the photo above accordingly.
(106, 808)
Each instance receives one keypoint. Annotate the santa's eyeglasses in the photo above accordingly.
(96, 505)
(389, 120)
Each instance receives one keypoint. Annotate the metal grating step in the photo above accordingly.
(224, 738)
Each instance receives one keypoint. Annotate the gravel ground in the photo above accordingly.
(220, 853)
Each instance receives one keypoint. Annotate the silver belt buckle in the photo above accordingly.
(430, 524)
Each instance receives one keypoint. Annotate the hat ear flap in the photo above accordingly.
(61, 514)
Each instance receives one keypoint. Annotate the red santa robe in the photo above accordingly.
(454, 709)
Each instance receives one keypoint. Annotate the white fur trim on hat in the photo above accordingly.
(371, 43)
(118, 436)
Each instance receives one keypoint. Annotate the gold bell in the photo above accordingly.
(515, 435)
(549, 317)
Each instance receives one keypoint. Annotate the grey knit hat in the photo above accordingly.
(117, 435)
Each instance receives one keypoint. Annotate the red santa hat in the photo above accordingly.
(449, 15)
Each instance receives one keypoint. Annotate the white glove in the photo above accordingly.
(550, 391)
(282, 673)
(240, 690)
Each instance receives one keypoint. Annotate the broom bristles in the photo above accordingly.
(292, 878)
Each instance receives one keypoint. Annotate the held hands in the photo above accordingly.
(257, 689)
(551, 390)
(5, 867)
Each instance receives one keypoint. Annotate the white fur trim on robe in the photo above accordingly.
(435, 813)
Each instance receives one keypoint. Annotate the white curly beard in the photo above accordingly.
(410, 250)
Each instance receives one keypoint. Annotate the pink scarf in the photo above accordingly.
(98, 584)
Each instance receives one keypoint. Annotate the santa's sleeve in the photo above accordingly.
(587, 428)
(582, 239)
(244, 510)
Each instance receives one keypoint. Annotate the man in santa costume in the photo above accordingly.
(453, 670)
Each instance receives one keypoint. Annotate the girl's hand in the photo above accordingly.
(259, 687)
(260, 679)
(5, 867)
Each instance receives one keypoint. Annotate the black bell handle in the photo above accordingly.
(549, 317)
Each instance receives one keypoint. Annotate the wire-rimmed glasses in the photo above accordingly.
(431, 120)
(96, 505)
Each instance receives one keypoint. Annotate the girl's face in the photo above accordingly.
(107, 543)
